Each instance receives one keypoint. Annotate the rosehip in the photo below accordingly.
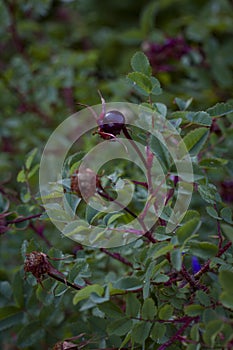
(112, 123)
(84, 183)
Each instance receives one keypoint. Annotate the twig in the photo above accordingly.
(176, 336)
(205, 267)
(133, 143)
(16, 221)
(64, 281)
(220, 240)
(148, 233)
(117, 256)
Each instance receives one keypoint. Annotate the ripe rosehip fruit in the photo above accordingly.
(112, 123)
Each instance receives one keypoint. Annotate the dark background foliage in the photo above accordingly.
(54, 55)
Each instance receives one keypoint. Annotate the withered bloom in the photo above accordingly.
(65, 346)
(38, 264)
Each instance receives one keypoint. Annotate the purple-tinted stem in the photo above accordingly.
(143, 184)
(220, 240)
(148, 234)
(206, 267)
(16, 221)
(176, 336)
(117, 256)
(133, 143)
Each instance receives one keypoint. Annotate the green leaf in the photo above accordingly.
(204, 250)
(4, 203)
(158, 331)
(213, 328)
(212, 163)
(226, 214)
(132, 305)
(30, 158)
(18, 290)
(193, 310)
(191, 214)
(140, 63)
(203, 298)
(200, 118)
(195, 140)
(162, 251)
(182, 104)
(77, 228)
(59, 215)
(85, 292)
(226, 280)
(8, 311)
(141, 331)
(5, 290)
(176, 259)
(30, 334)
(228, 231)
(149, 310)
(114, 217)
(10, 316)
(128, 283)
(125, 341)
(165, 312)
(161, 278)
(111, 310)
(208, 193)
(120, 327)
(141, 83)
(156, 89)
(226, 299)
(220, 109)
(186, 231)
(194, 333)
(161, 108)
(21, 177)
(160, 151)
(33, 171)
(212, 212)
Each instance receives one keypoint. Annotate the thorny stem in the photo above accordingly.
(16, 221)
(117, 256)
(220, 240)
(133, 143)
(205, 267)
(30, 107)
(176, 336)
(148, 234)
(19, 45)
(39, 231)
(64, 281)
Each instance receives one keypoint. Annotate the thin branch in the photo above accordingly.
(176, 336)
(16, 221)
(206, 267)
(117, 256)
(220, 239)
(64, 281)
(148, 233)
(134, 145)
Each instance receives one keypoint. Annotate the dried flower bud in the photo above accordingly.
(37, 263)
(65, 346)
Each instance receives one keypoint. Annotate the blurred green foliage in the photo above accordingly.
(56, 54)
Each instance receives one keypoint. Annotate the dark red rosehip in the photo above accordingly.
(112, 123)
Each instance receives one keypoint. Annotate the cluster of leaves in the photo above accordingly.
(164, 291)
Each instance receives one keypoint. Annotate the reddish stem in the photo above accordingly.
(16, 221)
